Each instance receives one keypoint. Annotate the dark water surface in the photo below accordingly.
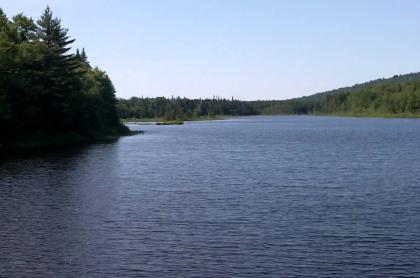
(247, 197)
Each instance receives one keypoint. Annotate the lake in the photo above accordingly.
(242, 197)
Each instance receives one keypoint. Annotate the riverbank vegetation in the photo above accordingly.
(398, 96)
(170, 123)
(49, 95)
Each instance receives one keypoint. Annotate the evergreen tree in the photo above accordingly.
(83, 56)
(45, 89)
(60, 78)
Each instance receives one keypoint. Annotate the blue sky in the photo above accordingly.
(258, 49)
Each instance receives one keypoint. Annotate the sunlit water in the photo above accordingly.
(247, 197)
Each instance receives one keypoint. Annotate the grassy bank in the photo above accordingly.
(170, 123)
(366, 114)
(163, 120)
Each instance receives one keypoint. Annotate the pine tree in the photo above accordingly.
(60, 76)
(83, 56)
(45, 89)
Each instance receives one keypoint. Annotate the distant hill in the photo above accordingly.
(403, 78)
(395, 96)
(398, 96)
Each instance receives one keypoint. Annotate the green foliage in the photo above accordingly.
(170, 123)
(181, 108)
(399, 96)
(396, 96)
(45, 89)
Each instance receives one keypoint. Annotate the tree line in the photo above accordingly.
(399, 95)
(181, 108)
(47, 89)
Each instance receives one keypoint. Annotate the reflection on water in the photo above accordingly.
(257, 196)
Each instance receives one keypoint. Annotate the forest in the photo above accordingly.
(398, 96)
(48, 93)
(181, 108)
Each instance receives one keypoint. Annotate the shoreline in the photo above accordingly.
(369, 115)
(70, 139)
(152, 121)
(47, 141)
(163, 120)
